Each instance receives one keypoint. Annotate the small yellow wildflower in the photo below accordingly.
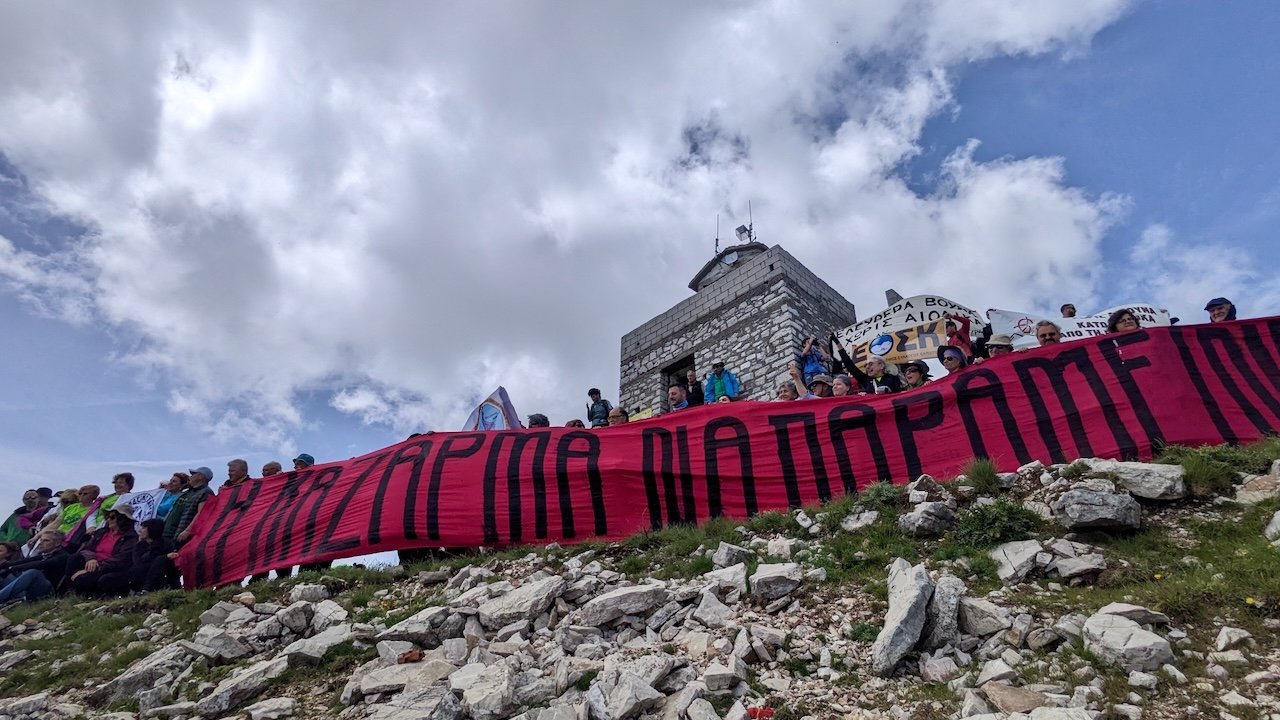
(1248, 601)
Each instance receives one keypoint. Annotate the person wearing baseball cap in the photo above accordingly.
(1220, 309)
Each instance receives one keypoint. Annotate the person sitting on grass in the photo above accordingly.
(36, 577)
(101, 568)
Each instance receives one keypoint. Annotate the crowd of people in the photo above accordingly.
(814, 374)
(80, 541)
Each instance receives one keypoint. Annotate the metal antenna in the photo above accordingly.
(751, 225)
(717, 252)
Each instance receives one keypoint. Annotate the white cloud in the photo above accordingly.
(1187, 274)
(401, 207)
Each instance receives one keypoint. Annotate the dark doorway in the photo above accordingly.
(675, 374)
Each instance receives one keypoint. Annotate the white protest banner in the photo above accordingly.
(911, 329)
(145, 502)
(1021, 327)
(918, 342)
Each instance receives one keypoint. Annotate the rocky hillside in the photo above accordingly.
(1092, 590)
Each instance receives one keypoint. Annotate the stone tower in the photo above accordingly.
(753, 306)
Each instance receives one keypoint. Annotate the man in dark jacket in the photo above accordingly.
(164, 571)
(37, 576)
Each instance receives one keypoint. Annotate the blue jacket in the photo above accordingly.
(730, 386)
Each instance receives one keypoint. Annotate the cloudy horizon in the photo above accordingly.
(251, 230)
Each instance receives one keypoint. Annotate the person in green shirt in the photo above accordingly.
(71, 515)
(122, 483)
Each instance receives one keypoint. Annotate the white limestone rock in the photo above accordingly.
(1014, 560)
(634, 600)
(1086, 508)
(942, 620)
(982, 617)
(1150, 481)
(771, 581)
(1121, 641)
(273, 709)
(909, 591)
(492, 695)
(524, 603)
(928, 519)
(728, 554)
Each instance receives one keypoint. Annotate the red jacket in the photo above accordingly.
(960, 338)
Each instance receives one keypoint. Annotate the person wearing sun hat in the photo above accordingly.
(106, 555)
(952, 358)
(999, 345)
(303, 461)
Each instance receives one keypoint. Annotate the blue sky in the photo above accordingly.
(252, 234)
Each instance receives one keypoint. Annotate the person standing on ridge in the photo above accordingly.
(598, 410)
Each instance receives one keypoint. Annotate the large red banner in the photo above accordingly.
(1118, 396)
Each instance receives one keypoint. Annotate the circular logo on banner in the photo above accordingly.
(881, 345)
(1024, 326)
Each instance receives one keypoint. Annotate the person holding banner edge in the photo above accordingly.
(875, 380)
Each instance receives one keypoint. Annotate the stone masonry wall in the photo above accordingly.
(753, 319)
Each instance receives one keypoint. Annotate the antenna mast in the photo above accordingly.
(751, 224)
(717, 252)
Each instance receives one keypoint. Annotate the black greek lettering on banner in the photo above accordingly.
(565, 452)
(686, 476)
(931, 418)
(968, 391)
(1219, 342)
(1207, 399)
(315, 493)
(808, 422)
(489, 522)
(1124, 363)
(217, 541)
(655, 440)
(740, 441)
(273, 515)
(1262, 354)
(450, 449)
(325, 543)
(1053, 369)
(839, 425)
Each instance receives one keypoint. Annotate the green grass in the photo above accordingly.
(985, 526)
(864, 632)
(672, 551)
(885, 497)
(982, 476)
(1207, 477)
(584, 682)
(1235, 573)
(862, 557)
(1074, 471)
(1211, 469)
